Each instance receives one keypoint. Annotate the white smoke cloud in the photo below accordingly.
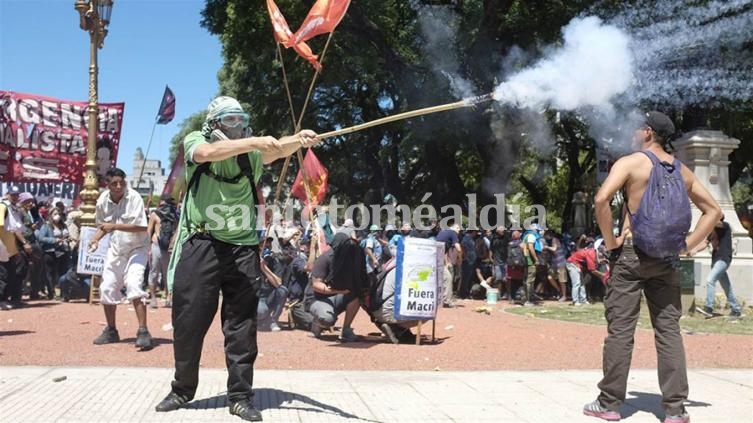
(593, 66)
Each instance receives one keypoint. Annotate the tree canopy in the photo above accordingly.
(391, 56)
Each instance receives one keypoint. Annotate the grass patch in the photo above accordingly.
(594, 314)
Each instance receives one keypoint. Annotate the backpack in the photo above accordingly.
(515, 256)
(663, 218)
(374, 299)
(538, 244)
(167, 227)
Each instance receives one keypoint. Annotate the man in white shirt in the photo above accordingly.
(120, 212)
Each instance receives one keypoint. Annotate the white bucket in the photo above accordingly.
(492, 295)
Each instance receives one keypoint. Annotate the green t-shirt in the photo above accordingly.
(225, 209)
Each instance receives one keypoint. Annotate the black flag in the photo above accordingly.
(167, 108)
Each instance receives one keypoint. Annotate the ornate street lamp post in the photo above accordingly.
(95, 17)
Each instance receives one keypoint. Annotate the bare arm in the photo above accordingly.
(617, 178)
(273, 279)
(151, 228)
(224, 149)
(322, 288)
(122, 227)
(532, 251)
(374, 259)
(479, 275)
(289, 145)
(710, 210)
(459, 249)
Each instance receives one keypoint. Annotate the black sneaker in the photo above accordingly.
(108, 336)
(143, 339)
(245, 410)
(735, 313)
(171, 402)
(387, 331)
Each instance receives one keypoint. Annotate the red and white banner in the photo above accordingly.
(44, 139)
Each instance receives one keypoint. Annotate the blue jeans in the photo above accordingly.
(578, 290)
(719, 272)
(271, 306)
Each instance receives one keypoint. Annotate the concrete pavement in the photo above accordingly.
(106, 394)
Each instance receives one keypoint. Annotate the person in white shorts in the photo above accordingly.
(120, 212)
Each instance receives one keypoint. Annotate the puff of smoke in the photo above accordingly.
(439, 26)
(593, 66)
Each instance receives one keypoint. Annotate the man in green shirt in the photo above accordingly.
(217, 250)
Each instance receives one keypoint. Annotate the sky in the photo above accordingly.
(150, 43)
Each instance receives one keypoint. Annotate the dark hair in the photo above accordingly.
(113, 172)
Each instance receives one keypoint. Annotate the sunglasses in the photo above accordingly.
(232, 120)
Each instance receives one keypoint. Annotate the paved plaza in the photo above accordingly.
(108, 394)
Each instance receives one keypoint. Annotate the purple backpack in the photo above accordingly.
(663, 218)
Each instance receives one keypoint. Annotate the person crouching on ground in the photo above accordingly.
(381, 307)
(337, 280)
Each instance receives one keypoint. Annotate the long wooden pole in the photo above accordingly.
(469, 102)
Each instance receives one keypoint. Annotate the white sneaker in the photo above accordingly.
(4, 305)
(274, 327)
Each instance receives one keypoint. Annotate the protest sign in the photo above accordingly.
(91, 263)
(419, 270)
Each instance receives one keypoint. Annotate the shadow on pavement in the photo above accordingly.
(650, 403)
(35, 304)
(268, 399)
(156, 342)
(15, 332)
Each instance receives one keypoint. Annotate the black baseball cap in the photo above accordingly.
(660, 123)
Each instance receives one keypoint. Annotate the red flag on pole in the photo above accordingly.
(322, 18)
(176, 172)
(166, 111)
(283, 35)
(316, 178)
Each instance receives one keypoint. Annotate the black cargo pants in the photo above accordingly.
(206, 267)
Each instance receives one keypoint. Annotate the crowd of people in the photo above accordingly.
(524, 266)
(38, 251)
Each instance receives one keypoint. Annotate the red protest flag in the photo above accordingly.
(322, 18)
(284, 35)
(166, 111)
(179, 166)
(316, 177)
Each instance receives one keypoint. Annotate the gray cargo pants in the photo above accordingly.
(659, 279)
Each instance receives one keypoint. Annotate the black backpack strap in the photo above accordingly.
(245, 164)
(203, 169)
(193, 188)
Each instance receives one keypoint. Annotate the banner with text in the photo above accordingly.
(50, 192)
(44, 139)
(420, 268)
(91, 263)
